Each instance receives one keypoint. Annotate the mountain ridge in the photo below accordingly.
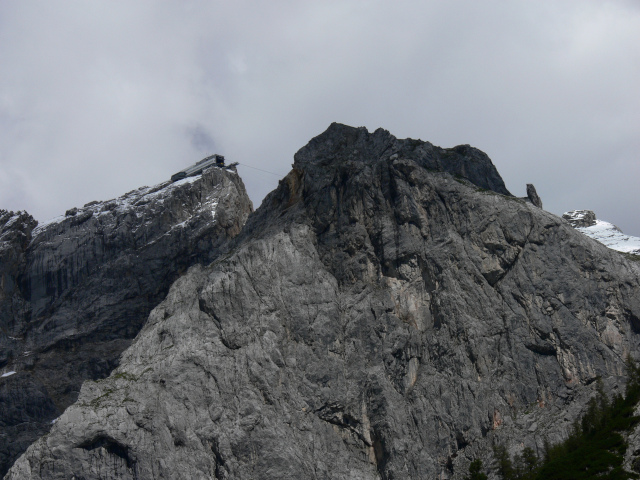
(383, 314)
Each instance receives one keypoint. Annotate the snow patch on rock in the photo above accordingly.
(606, 233)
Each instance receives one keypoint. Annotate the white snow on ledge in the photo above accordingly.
(8, 374)
(609, 235)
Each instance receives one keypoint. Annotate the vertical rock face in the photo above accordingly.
(15, 235)
(74, 292)
(20, 400)
(388, 312)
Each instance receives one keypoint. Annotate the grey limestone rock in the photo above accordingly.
(580, 218)
(389, 312)
(74, 292)
(532, 195)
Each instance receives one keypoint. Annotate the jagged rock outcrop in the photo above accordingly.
(74, 292)
(608, 234)
(580, 218)
(532, 195)
(388, 312)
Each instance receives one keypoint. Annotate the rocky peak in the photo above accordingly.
(532, 195)
(580, 218)
(15, 235)
(16, 225)
(75, 291)
(343, 147)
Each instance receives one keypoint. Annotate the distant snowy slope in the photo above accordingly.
(606, 233)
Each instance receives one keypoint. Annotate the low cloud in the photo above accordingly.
(99, 98)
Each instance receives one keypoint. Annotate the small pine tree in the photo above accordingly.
(475, 471)
(547, 448)
(503, 464)
(529, 459)
(595, 447)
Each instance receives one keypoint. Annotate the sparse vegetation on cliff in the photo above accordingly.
(594, 449)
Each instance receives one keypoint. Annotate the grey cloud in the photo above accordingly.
(97, 99)
(200, 139)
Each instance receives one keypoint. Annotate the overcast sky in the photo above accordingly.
(99, 98)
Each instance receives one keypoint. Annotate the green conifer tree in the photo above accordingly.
(475, 471)
(503, 463)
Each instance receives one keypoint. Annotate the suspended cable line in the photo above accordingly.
(265, 171)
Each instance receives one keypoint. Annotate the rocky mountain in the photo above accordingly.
(75, 291)
(604, 232)
(390, 311)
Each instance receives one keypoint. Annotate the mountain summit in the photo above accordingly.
(389, 312)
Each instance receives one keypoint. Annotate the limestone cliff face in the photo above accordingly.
(389, 312)
(74, 292)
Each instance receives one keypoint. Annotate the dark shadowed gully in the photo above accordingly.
(389, 312)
